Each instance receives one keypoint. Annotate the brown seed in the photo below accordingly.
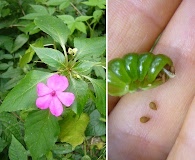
(172, 69)
(153, 106)
(144, 119)
(164, 78)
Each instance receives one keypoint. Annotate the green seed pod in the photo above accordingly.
(138, 72)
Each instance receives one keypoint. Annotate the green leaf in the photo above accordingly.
(85, 157)
(2, 144)
(11, 73)
(5, 12)
(41, 132)
(62, 149)
(84, 67)
(54, 27)
(97, 14)
(81, 27)
(1, 130)
(67, 18)
(51, 57)
(72, 128)
(23, 95)
(3, 4)
(83, 18)
(7, 42)
(12, 82)
(55, 2)
(64, 5)
(70, 21)
(80, 90)
(100, 94)
(19, 42)
(7, 56)
(100, 72)
(95, 127)
(72, 27)
(4, 66)
(16, 150)
(32, 16)
(88, 47)
(10, 127)
(89, 107)
(28, 28)
(100, 3)
(27, 57)
(39, 9)
(51, 10)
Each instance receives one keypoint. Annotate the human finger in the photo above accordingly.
(185, 144)
(130, 139)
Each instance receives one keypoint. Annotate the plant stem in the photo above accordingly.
(91, 30)
(21, 8)
(17, 117)
(65, 53)
(102, 119)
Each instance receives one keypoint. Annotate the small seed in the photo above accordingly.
(144, 119)
(172, 69)
(153, 106)
(160, 74)
(164, 78)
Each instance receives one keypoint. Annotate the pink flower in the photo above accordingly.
(52, 96)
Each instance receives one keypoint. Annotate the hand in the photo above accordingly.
(133, 26)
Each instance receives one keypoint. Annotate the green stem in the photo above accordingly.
(155, 43)
(20, 6)
(102, 119)
(65, 53)
(91, 30)
(17, 116)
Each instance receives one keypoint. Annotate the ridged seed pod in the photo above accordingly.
(138, 72)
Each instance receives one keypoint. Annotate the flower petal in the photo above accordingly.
(57, 82)
(42, 89)
(44, 102)
(56, 107)
(67, 98)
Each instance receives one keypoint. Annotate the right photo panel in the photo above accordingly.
(150, 77)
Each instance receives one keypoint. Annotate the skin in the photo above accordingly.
(133, 26)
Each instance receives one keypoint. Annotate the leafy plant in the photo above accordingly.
(43, 38)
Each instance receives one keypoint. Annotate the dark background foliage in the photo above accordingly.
(85, 19)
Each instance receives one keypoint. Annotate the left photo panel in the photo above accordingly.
(53, 80)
